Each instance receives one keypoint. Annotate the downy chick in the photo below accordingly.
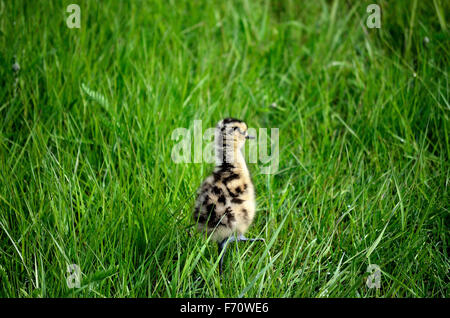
(225, 206)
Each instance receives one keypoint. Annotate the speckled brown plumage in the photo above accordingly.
(226, 201)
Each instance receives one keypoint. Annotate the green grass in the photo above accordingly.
(86, 175)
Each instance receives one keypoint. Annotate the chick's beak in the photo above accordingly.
(249, 137)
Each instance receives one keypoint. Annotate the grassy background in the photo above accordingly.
(86, 175)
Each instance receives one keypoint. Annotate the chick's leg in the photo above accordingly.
(222, 246)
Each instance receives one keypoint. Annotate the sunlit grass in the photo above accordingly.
(86, 175)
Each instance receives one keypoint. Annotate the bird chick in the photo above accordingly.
(225, 205)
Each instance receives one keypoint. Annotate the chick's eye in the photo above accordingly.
(238, 129)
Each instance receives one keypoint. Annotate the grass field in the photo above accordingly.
(86, 175)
